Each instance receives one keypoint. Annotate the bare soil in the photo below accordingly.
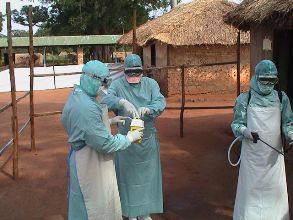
(198, 182)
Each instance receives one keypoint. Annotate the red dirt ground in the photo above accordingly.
(198, 182)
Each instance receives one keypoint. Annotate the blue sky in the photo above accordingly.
(17, 4)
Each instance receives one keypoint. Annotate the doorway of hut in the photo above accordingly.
(283, 58)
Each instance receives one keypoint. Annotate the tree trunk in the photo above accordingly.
(101, 53)
(134, 40)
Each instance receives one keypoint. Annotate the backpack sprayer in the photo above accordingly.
(255, 139)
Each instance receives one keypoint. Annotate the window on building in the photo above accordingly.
(153, 55)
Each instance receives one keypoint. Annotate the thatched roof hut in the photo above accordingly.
(193, 34)
(270, 23)
(196, 23)
(276, 13)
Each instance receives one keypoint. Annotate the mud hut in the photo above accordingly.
(270, 23)
(193, 33)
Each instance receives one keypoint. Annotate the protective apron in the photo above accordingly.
(97, 180)
(262, 189)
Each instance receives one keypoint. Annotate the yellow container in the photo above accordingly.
(136, 124)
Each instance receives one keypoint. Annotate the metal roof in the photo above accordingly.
(62, 40)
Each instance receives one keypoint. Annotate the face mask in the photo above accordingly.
(102, 91)
(265, 89)
(133, 79)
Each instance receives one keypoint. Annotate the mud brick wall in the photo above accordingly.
(207, 80)
(203, 80)
(22, 59)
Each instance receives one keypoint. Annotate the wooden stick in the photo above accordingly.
(238, 64)
(199, 107)
(2, 109)
(23, 127)
(47, 113)
(3, 149)
(182, 101)
(52, 74)
(31, 61)
(14, 119)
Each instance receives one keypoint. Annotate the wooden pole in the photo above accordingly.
(47, 113)
(54, 76)
(0, 57)
(14, 119)
(182, 101)
(238, 64)
(134, 40)
(31, 53)
(173, 3)
(44, 59)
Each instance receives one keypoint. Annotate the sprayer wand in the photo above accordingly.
(256, 138)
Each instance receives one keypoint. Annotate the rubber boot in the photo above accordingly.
(145, 217)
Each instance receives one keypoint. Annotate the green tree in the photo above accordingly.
(99, 17)
(87, 17)
(19, 33)
(43, 31)
(40, 16)
(71, 17)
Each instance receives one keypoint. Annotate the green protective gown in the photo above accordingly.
(82, 121)
(138, 168)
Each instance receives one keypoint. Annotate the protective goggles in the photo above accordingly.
(133, 71)
(105, 81)
(268, 80)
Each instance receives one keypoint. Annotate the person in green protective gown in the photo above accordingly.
(262, 188)
(93, 191)
(138, 168)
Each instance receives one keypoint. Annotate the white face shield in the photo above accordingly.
(133, 79)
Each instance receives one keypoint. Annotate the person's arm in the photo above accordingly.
(287, 118)
(98, 137)
(239, 123)
(112, 98)
(115, 103)
(158, 102)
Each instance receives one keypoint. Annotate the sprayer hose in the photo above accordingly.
(229, 152)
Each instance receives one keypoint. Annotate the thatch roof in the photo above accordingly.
(275, 13)
(195, 23)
